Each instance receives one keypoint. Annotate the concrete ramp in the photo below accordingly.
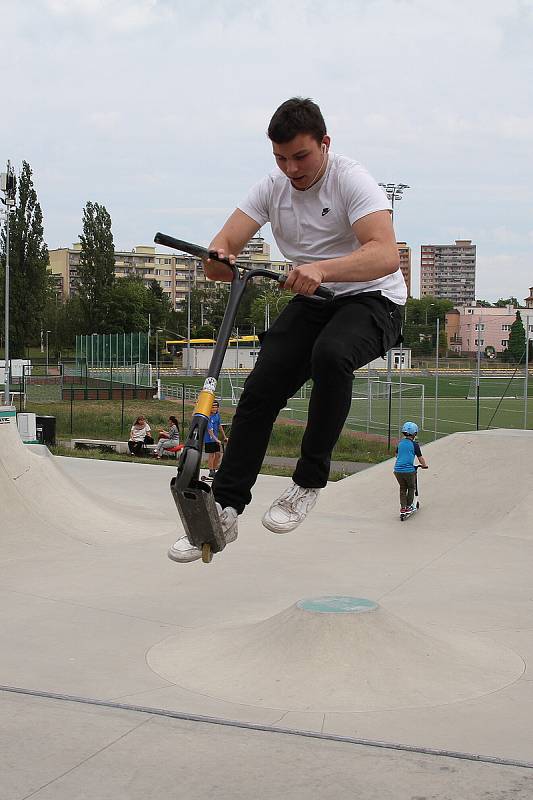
(43, 506)
(334, 654)
(475, 481)
(416, 634)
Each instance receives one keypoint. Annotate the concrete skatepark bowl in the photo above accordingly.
(405, 651)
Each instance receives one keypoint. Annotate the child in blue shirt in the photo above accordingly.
(404, 469)
(212, 444)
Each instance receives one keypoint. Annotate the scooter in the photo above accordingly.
(193, 497)
(416, 506)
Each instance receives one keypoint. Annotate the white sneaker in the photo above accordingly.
(183, 551)
(290, 509)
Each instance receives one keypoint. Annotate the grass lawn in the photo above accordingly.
(102, 420)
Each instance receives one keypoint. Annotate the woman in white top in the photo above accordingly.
(139, 436)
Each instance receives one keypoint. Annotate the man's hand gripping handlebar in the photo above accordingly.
(204, 254)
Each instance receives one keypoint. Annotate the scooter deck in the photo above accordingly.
(198, 513)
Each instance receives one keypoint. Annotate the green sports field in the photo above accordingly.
(501, 405)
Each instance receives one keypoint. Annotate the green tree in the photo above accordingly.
(70, 321)
(510, 301)
(270, 302)
(28, 262)
(208, 304)
(517, 339)
(157, 305)
(96, 271)
(244, 321)
(420, 317)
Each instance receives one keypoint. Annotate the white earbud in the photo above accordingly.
(324, 149)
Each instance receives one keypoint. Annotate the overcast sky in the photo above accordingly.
(158, 110)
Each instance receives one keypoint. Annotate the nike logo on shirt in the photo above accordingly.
(325, 211)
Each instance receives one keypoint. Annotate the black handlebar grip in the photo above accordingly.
(168, 241)
(325, 292)
(213, 255)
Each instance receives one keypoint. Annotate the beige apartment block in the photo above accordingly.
(405, 264)
(448, 271)
(176, 273)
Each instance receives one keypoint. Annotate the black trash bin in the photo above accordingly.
(46, 429)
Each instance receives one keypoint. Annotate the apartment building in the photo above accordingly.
(174, 272)
(405, 264)
(469, 327)
(448, 271)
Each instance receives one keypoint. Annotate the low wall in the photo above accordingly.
(108, 393)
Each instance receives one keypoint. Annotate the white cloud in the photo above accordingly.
(158, 109)
(504, 275)
(123, 16)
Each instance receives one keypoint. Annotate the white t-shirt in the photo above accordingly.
(137, 434)
(315, 224)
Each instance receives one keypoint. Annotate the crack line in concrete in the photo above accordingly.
(251, 726)
(85, 760)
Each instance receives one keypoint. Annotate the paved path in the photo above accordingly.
(347, 467)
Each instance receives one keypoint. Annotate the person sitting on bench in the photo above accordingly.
(168, 439)
(140, 435)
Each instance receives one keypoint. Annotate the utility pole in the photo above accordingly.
(47, 351)
(8, 187)
(189, 326)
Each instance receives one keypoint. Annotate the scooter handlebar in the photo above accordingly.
(323, 291)
(202, 252)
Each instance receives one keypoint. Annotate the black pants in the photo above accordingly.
(321, 340)
(136, 448)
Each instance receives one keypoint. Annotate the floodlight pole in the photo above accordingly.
(8, 187)
(437, 379)
(394, 191)
(7, 382)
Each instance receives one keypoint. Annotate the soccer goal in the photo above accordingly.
(370, 403)
(496, 387)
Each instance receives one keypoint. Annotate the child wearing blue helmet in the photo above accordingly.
(404, 469)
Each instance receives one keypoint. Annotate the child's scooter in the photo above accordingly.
(193, 497)
(415, 507)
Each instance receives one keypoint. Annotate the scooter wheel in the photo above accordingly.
(188, 468)
(402, 517)
(207, 554)
(417, 504)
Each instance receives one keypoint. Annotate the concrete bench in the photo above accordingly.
(109, 445)
(106, 445)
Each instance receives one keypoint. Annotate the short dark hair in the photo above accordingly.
(294, 116)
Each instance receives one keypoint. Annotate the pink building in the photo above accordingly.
(468, 325)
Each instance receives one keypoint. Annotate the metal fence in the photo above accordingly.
(113, 349)
(440, 402)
